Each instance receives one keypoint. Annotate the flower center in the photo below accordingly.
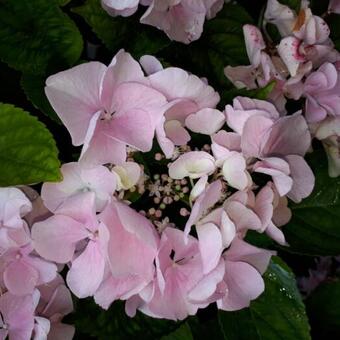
(106, 115)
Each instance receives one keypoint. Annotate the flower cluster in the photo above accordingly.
(34, 297)
(181, 20)
(305, 64)
(115, 252)
(220, 172)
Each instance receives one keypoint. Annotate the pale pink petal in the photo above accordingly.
(243, 217)
(164, 142)
(123, 68)
(289, 135)
(280, 172)
(198, 188)
(276, 234)
(303, 178)
(253, 136)
(210, 245)
(17, 312)
(118, 288)
(133, 244)
(281, 16)
(150, 64)
(244, 285)
(176, 83)
(41, 328)
(117, 7)
(87, 271)
(176, 132)
(55, 239)
(20, 278)
(288, 50)
(206, 121)
(81, 208)
(229, 140)
(228, 229)
(75, 96)
(204, 202)
(264, 205)
(193, 164)
(13, 206)
(128, 175)
(47, 271)
(60, 331)
(104, 149)
(234, 171)
(254, 43)
(77, 178)
(241, 76)
(208, 285)
(245, 252)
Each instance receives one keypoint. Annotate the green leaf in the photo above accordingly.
(315, 228)
(36, 34)
(261, 93)
(121, 32)
(278, 314)
(181, 333)
(324, 310)
(28, 153)
(33, 87)
(93, 322)
(334, 25)
(63, 2)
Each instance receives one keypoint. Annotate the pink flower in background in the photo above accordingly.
(124, 8)
(106, 108)
(322, 91)
(76, 179)
(334, 6)
(181, 20)
(328, 131)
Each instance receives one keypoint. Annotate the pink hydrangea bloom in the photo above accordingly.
(322, 91)
(279, 142)
(106, 108)
(334, 6)
(181, 20)
(180, 286)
